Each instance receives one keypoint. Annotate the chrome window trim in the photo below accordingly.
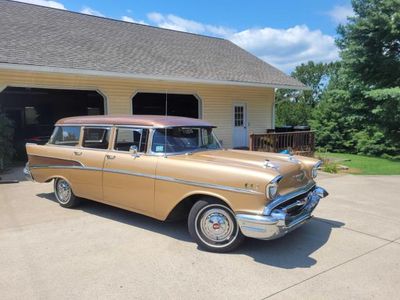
(156, 177)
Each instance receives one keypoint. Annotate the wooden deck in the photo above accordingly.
(298, 142)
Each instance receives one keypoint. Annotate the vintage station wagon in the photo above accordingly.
(173, 167)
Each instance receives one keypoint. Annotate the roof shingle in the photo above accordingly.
(41, 36)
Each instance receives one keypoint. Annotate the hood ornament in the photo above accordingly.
(268, 164)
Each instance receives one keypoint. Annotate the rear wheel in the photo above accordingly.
(64, 194)
(213, 226)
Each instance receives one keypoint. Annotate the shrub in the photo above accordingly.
(330, 167)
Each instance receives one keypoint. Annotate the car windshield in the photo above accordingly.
(184, 139)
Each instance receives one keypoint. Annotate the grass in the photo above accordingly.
(362, 165)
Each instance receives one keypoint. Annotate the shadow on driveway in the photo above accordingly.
(288, 252)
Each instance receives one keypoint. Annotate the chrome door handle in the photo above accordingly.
(78, 153)
(108, 156)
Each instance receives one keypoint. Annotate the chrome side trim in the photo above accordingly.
(163, 178)
(281, 199)
(115, 171)
(209, 185)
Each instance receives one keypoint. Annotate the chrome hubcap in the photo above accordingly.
(217, 225)
(63, 191)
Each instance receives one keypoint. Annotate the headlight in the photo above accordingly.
(314, 171)
(272, 188)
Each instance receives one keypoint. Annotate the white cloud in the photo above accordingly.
(53, 4)
(286, 48)
(132, 20)
(340, 13)
(283, 48)
(90, 11)
(181, 24)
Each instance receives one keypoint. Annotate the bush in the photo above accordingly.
(6, 141)
(330, 167)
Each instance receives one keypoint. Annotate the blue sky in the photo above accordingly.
(284, 33)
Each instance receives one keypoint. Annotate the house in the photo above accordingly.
(56, 63)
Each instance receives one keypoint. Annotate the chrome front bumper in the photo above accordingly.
(27, 173)
(278, 222)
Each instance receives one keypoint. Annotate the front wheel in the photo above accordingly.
(64, 194)
(213, 226)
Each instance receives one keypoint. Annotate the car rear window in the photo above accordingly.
(65, 136)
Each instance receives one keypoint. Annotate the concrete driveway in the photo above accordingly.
(350, 250)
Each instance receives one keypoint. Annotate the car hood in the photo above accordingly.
(270, 165)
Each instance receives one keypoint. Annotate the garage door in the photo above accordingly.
(34, 111)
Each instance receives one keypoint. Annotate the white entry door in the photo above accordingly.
(240, 125)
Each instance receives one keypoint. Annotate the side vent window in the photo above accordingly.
(96, 138)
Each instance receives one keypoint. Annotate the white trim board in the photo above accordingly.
(32, 68)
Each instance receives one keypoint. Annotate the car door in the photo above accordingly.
(87, 180)
(128, 179)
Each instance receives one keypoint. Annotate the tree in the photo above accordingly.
(332, 120)
(370, 43)
(360, 112)
(292, 113)
(315, 76)
(294, 107)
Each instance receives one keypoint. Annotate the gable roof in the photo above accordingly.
(53, 39)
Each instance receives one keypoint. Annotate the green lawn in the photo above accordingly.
(364, 165)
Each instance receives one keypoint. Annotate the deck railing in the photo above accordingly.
(299, 142)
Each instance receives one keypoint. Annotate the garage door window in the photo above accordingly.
(182, 105)
(66, 136)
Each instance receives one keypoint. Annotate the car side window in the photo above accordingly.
(127, 137)
(66, 136)
(96, 137)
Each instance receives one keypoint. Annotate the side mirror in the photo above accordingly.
(134, 151)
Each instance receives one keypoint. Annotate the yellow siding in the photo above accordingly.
(217, 100)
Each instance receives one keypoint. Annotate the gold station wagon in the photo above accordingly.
(174, 167)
